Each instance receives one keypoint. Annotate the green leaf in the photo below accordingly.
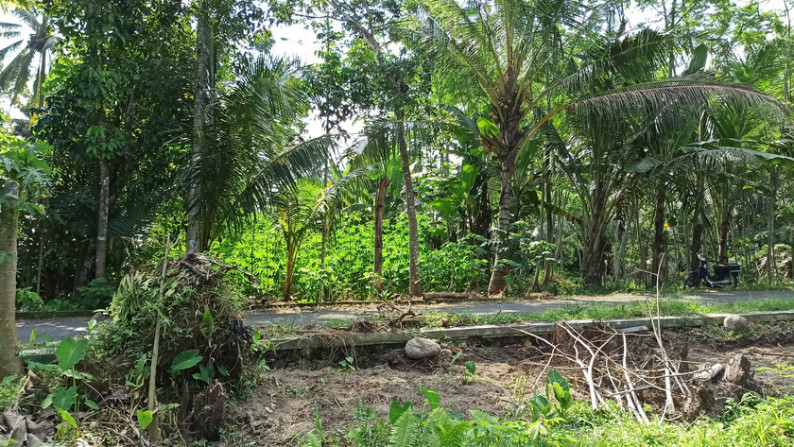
(471, 367)
(488, 127)
(541, 404)
(145, 418)
(47, 402)
(561, 389)
(433, 398)
(208, 323)
(70, 352)
(397, 409)
(185, 360)
(67, 417)
(698, 62)
(63, 398)
(91, 404)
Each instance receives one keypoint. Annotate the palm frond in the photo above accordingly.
(28, 17)
(632, 58)
(279, 173)
(10, 48)
(645, 99)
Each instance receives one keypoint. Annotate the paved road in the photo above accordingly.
(77, 326)
(57, 329)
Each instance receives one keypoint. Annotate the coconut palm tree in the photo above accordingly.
(523, 63)
(250, 149)
(514, 49)
(32, 60)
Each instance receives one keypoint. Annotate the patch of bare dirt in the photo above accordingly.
(286, 404)
(291, 397)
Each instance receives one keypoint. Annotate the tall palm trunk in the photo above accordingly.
(102, 219)
(659, 264)
(40, 81)
(498, 283)
(510, 115)
(770, 229)
(619, 265)
(594, 243)
(380, 201)
(9, 362)
(697, 223)
(201, 99)
(722, 235)
(481, 223)
(414, 285)
(290, 271)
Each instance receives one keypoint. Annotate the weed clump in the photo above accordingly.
(203, 341)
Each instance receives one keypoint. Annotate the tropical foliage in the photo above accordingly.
(496, 147)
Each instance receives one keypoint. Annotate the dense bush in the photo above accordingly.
(199, 313)
(453, 266)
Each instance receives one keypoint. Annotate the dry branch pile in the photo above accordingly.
(635, 369)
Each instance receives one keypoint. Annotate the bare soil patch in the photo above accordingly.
(291, 397)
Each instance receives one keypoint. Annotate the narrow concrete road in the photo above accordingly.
(484, 308)
(57, 329)
(77, 326)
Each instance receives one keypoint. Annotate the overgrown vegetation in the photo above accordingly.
(752, 421)
(483, 148)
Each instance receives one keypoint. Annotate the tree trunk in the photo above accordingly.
(481, 224)
(498, 283)
(548, 267)
(102, 219)
(290, 271)
(380, 201)
(722, 238)
(9, 362)
(40, 261)
(414, 286)
(42, 76)
(195, 208)
(770, 229)
(697, 224)
(659, 264)
(593, 259)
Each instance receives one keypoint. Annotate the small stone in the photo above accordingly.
(421, 348)
(735, 323)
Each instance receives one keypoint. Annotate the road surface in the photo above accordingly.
(78, 326)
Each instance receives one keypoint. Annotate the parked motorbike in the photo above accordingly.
(720, 276)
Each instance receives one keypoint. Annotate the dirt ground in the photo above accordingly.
(292, 396)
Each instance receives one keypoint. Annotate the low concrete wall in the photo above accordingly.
(503, 331)
(470, 332)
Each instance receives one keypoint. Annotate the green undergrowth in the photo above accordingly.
(541, 422)
(9, 391)
(754, 422)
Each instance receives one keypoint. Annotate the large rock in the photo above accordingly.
(735, 323)
(421, 348)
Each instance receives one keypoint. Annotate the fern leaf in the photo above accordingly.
(405, 431)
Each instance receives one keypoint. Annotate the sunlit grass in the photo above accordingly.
(669, 307)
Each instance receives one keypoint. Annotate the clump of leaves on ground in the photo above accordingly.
(204, 347)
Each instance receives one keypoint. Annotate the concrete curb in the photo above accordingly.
(503, 331)
(484, 332)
